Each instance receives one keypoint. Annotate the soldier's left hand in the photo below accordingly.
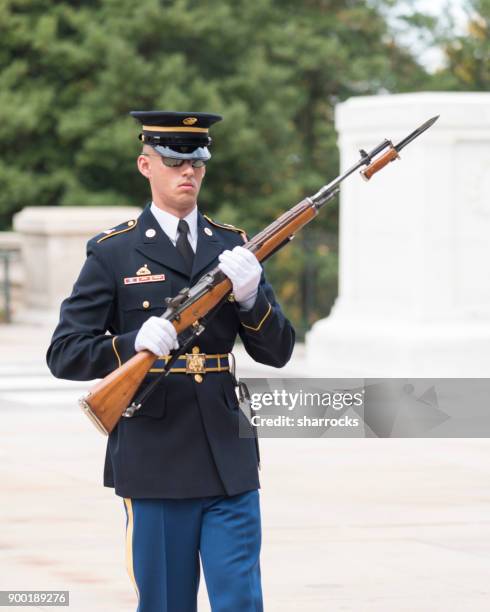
(243, 269)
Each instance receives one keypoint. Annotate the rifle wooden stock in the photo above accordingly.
(108, 399)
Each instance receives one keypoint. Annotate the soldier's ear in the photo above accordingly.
(143, 163)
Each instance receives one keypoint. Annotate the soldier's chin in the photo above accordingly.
(187, 199)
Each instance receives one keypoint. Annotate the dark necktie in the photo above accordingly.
(183, 245)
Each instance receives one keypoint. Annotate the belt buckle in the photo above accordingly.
(195, 363)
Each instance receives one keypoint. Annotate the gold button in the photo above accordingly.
(231, 297)
(198, 378)
(146, 304)
(130, 223)
(196, 349)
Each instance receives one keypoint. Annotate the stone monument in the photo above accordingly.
(53, 240)
(414, 291)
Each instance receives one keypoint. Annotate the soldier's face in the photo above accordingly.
(174, 189)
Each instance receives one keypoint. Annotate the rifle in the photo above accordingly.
(112, 396)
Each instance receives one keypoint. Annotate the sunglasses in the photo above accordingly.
(172, 162)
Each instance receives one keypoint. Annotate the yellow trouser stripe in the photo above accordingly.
(129, 544)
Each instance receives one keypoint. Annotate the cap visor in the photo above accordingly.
(198, 153)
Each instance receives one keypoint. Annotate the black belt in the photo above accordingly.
(194, 363)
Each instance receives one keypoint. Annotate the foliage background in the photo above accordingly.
(70, 71)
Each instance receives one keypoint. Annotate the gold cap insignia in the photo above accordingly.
(143, 271)
(189, 120)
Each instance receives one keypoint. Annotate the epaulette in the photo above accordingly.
(119, 229)
(228, 226)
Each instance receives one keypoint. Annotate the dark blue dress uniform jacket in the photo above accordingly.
(184, 440)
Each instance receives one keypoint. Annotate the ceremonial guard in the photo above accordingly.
(189, 481)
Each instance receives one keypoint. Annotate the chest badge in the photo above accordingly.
(143, 271)
(144, 278)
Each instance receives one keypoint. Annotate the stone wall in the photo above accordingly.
(53, 241)
(414, 295)
(11, 242)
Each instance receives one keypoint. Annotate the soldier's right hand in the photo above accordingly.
(156, 335)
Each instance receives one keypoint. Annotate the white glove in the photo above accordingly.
(243, 269)
(156, 335)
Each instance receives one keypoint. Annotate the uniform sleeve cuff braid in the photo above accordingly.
(123, 346)
(256, 317)
(116, 352)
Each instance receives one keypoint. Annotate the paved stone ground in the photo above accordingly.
(348, 525)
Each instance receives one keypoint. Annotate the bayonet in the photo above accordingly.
(408, 139)
(373, 160)
(393, 150)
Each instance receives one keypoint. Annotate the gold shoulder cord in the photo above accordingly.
(130, 225)
(227, 226)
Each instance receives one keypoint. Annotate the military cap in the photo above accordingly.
(178, 135)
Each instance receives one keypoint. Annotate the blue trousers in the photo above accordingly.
(164, 538)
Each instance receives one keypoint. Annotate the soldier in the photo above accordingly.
(188, 480)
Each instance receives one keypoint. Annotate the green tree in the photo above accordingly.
(70, 71)
(467, 55)
(465, 46)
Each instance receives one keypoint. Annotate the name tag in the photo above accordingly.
(151, 278)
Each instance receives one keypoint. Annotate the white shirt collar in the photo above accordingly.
(169, 222)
